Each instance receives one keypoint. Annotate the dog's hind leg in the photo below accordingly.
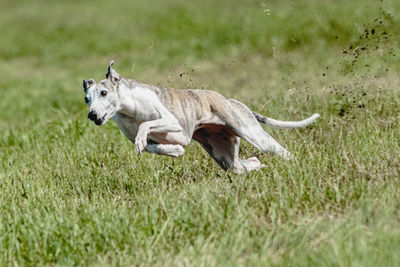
(223, 146)
(246, 126)
(257, 137)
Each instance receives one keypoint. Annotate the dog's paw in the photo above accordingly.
(177, 151)
(140, 144)
(141, 139)
(252, 164)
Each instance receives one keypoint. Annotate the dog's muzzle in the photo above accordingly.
(93, 117)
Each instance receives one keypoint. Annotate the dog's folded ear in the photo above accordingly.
(111, 74)
(87, 84)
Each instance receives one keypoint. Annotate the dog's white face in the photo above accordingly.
(102, 99)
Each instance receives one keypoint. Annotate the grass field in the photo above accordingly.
(72, 193)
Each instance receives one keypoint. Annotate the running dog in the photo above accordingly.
(164, 120)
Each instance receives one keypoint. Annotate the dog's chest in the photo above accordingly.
(128, 125)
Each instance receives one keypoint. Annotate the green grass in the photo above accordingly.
(72, 193)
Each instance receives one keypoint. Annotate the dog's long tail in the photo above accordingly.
(285, 124)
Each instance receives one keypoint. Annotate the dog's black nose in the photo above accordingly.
(92, 115)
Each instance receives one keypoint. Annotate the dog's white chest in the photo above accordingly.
(128, 125)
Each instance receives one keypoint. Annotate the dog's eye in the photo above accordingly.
(103, 93)
(86, 100)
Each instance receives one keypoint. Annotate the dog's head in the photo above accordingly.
(102, 97)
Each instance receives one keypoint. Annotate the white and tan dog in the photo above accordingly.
(164, 120)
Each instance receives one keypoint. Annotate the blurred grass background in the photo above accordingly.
(72, 193)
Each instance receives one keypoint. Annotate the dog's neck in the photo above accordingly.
(134, 99)
(126, 100)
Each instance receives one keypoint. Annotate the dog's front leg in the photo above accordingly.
(166, 149)
(163, 125)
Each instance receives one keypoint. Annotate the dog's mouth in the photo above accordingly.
(101, 120)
